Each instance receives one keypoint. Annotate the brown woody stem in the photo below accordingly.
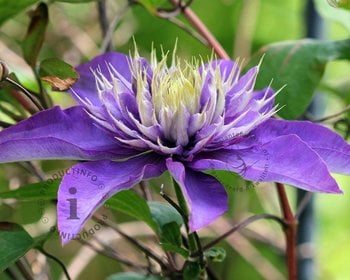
(196, 22)
(290, 232)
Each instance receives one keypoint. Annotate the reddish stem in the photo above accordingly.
(290, 232)
(24, 101)
(196, 22)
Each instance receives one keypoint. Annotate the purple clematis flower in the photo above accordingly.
(137, 119)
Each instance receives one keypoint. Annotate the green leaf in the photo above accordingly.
(170, 239)
(43, 190)
(175, 249)
(8, 9)
(216, 254)
(58, 73)
(192, 271)
(161, 217)
(171, 234)
(169, 222)
(57, 68)
(14, 243)
(132, 204)
(300, 66)
(164, 214)
(132, 276)
(35, 34)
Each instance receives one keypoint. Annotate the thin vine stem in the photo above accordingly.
(113, 255)
(193, 238)
(327, 118)
(243, 224)
(107, 38)
(104, 24)
(187, 29)
(24, 269)
(57, 260)
(43, 95)
(26, 93)
(11, 273)
(148, 252)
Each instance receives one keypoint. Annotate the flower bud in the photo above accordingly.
(4, 71)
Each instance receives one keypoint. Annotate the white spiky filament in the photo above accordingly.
(176, 94)
(181, 110)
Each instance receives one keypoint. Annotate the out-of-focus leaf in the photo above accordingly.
(132, 204)
(9, 9)
(132, 276)
(14, 243)
(300, 66)
(34, 39)
(43, 190)
(341, 16)
(58, 73)
(216, 254)
(151, 5)
(191, 271)
(231, 181)
(345, 4)
(29, 212)
(75, 1)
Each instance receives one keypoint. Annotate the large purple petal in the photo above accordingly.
(85, 87)
(205, 196)
(330, 146)
(59, 134)
(285, 159)
(88, 185)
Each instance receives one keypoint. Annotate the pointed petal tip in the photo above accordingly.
(335, 190)
(64, 241)
(197, 225)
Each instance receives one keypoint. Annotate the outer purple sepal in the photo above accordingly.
(59, 134)
(285, 159)
(88, 185)
(330, 146)
(205, 196)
